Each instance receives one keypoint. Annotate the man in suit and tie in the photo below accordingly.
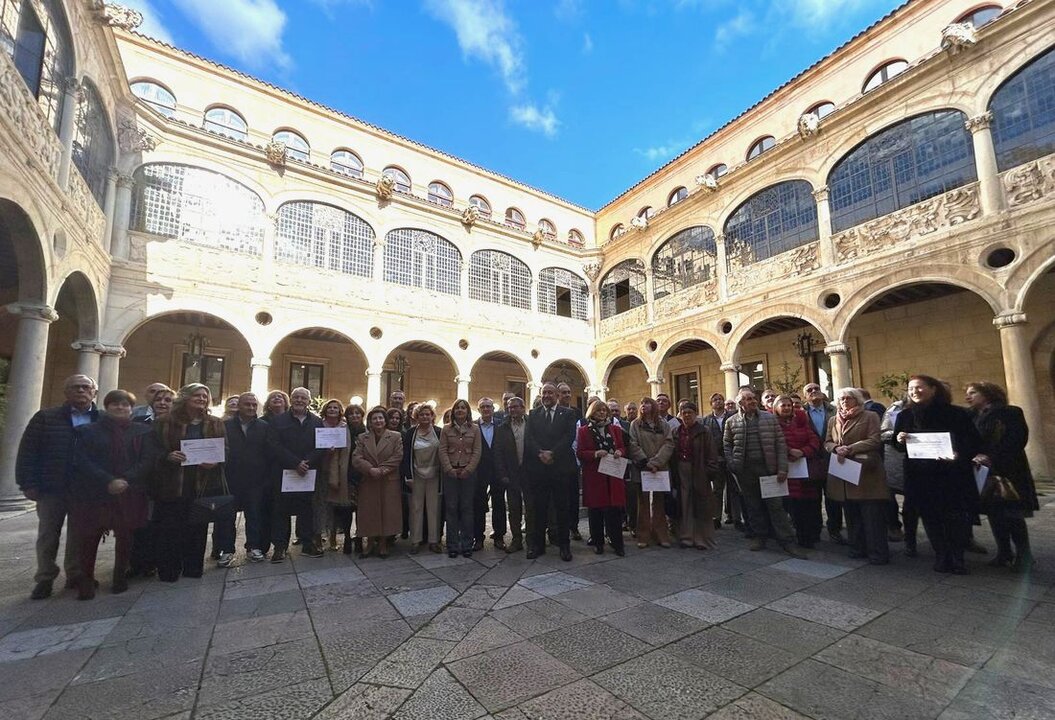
(551, 461)
(487, 482)
(510, 453)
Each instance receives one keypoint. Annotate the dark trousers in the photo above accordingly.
(143, 560)
(866, 529)
(180, 544)
(608, 521)
(521, 504)
(1009, 527)
(806, 516)
(84, 521)
(458, 500)
(893, 520)
(949, 531)
(573, 499)
(834, 510)
(250, 501)
(549, 485)
(735, 508)
(287, 504)
(632, 491)
(489, 486)
(910, 516)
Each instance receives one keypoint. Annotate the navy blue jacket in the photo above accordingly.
(45, 454)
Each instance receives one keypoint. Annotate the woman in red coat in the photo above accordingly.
(603, 495)
(804, 501)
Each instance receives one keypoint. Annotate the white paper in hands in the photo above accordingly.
(611, 465)
(845, 469)
(798, 470)
(200, 452)
(981, 474)
(772, 488)
(929, 446)
(655, 481)
(293, 482)
(327, 437)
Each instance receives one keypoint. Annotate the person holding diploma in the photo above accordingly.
(344, 512)
(1004, 435)
(421, 474)
(460, 453)
(293, 449)
(804, 495)
(696, 462)
(942, 489)
(181, 543)
(853, 436)
(377, 457)
(332, 489)
(603, 495)
(651, 446)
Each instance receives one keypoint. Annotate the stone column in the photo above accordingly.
(88, 352)
(68, 127)
(1021, 384)
(373, 388)
(379, 261)
(267, 246)
(110, 368)
(825, 250)
(655, 386)
(463, 387)
(600, 391)
(108, 209)
(840, 357)
(119, 242)
(731, 371)
(722, 268)
(990, 189)
(465, 281)
(25, 385)
(650, 306)
(260, 369)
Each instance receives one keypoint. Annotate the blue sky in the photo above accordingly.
(579, 98)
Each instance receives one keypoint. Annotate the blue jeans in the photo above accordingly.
(458, 501)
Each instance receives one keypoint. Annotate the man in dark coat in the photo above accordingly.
(293, 448)
(551, 462)
(487, 482)
(42, 471)
(247, 466)
(510, 453)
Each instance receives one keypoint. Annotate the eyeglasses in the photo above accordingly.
(80, 387)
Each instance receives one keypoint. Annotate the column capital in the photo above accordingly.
(655, 380)
(836, 348)
(88, 346)
(374, 372)
(821, 194)
(112, 351)
(979, 122)
(260, 362)
(33, 311)
(125, 181)
(1009, 319)
(463, 378)
(533, 385)
(729, 367)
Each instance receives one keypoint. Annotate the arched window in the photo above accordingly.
(980, 16)
(1024, 113)
(400, 178)
(498, 277)
(760, 146)
(347, 163)
(646, 212)
(296, 146)
(902, 165)
(777, 219)
(575, 238)
(562, 292)
(677, 196)
(440, 194)
(419, 258)
(821, 109)
(548, 228)
(718, 170)
(515, 218)
(686, 259)
(324, 236)
(157, 97)
(226, 121)
(480, 203)
(884, 73)
(198, 206)
(36, 36)
(623, 288)
(617, 230)
(93, 142)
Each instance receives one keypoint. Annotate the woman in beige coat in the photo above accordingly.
(853, 436)
(378, 454)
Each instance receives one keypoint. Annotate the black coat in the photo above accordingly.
(45, 453)
(556, 437)
(248, 454)
(507, 464)
(487, 470)
(94, 463)
(1004, 435)
(941, 487)
(293, 441)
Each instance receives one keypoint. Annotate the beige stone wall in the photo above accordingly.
(344, 366)
(490, 378)
(628, 383)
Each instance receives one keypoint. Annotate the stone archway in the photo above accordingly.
(626, 378)
(325, 361)
(691, 370)
(784, 352)
(568, 371)
(495, 373)
(425, 372)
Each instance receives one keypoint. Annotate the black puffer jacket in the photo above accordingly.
(45, 454)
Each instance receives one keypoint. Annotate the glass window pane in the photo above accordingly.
(775, 220)
(684, 260)
(500, 278)
(296, 146)
(346, 162)
(156, 97)
(1024, 113)
(418, 258)
(441, 194)
(400, 178)
(623, 288)
(93, 144)
(323, 236)
(226, 122)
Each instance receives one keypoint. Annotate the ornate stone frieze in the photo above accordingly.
(19, 110)
(132, 139)
(944, 211)
(385, 187)
(276, 153)
(639, 223)
(691, 298)
(631, 320)
(809, 125)
(958, 37)
(116, 15)
(592, 269)
(470, 216)
(1030, 182)
(85, 209)
(744, 274)
(707, 182)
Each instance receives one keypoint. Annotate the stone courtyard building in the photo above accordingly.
(888, 210)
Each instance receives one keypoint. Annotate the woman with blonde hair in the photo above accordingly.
(603, 495)
(332, 490)
(460, 451)
(651, 447)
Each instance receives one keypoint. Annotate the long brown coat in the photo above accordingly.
(380, 513)
(861, 434)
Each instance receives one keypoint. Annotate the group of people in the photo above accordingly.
(399, 471)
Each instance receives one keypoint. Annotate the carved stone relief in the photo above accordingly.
(633, 319)
(276, 153)
(1030, 182)
(745, 275)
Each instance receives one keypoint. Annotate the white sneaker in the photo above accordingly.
(256, 556)
(225, 560)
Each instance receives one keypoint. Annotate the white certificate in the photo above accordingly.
(845, 469)
(981, 474)
(655, 481)
(929, 446)
(293, 482)
(327, 437)
(798, 470)
(611, 465)
(199, 452)
(772, 488)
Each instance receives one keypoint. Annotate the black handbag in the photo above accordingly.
(212, 508)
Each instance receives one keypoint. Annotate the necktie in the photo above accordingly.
(549, 415)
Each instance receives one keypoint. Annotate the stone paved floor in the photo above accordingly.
(659, 634)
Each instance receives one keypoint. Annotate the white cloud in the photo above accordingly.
(587, 44)
(743, 23)
(152, 23)
(331, 6)
(568, 10)
(485, 32)
(250, 30)
(532, 117)
(662, 152)
(818, 13)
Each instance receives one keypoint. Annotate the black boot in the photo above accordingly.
(1023, 561)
